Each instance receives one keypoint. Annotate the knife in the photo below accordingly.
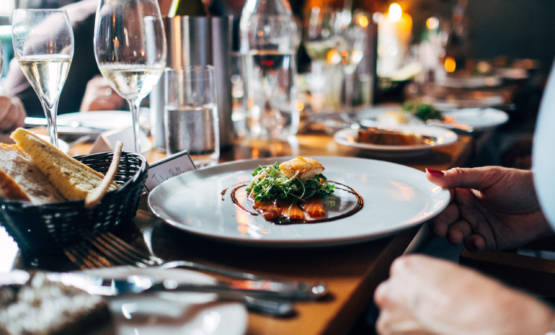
(262, 289)
(143, 285)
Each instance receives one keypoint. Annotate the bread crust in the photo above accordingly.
(10, 190)
(72, 178)
(20, 169)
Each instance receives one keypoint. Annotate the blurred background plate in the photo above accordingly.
(478, 118)
(444, 137)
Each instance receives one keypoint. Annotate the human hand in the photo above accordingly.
(429, 296)
(492, 208)
(99, 95)
(12, 112)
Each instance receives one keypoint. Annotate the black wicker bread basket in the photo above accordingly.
(48, 228)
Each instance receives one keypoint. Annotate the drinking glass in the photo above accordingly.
(130, 49)
(349, 50)
(191, 114)
(43, 45)
(267, 43)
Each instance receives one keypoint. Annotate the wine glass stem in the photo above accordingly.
(349, 84)
(135, 106)
(51, 112)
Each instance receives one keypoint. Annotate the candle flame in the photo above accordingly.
(450, 64)
(395, 12)
(362, 21)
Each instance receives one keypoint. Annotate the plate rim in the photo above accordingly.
(506, 117)
(394, 148)
(318, 242)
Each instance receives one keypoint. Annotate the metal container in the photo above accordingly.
(198, 41)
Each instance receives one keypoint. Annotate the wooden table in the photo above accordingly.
(351, 272)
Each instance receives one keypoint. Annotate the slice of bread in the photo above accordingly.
(73, 179)
(10, 190)
(21, 179)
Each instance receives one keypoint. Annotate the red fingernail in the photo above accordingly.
(435, 173)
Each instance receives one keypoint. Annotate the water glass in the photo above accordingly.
(191, 114)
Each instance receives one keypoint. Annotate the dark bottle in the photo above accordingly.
(188, 8)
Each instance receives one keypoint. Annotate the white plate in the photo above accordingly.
(99, 121)
(478, 118)
(173, 313)
(63, 146)
(395, 197)
(444, 137)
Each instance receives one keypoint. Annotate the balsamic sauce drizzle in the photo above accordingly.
(357, 208)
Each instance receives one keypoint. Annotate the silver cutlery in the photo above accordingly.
(109, 250)
(144, 285)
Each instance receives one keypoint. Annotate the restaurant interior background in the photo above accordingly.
(508, 44)
(501, 32)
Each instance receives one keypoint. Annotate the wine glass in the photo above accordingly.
(43, 45)
(348, 50)
(318, 42)
(130, 49)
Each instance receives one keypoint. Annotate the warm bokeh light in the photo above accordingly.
(395, 12)
(377, 17)
(362, 21)
(432, 23)
(450, 64)
(333, 57)
(299, 105)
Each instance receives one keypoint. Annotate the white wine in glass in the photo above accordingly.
(132, 81)
(43, 45)
(130, 49)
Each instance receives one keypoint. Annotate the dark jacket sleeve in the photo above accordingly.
(83, 68)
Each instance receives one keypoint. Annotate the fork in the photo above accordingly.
(111, 250)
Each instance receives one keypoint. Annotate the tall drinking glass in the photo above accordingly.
(43, 45)
(130, 49)
(348, 51)
(191, 114)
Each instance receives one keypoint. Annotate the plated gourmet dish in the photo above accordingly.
(295, 191)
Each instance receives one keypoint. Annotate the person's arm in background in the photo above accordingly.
(100, 96)
(12, 113)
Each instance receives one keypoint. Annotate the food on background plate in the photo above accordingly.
(290, 190)
(422, 111)
(43, 307)
(387, 137)
(72, 179)
(393, 117)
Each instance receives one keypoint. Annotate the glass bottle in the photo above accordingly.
(267, 46)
